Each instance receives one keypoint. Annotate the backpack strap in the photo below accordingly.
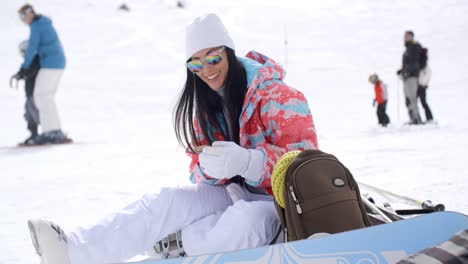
(275, 239)
(282, 217)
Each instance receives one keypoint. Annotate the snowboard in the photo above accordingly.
(383, 244)
(20, 148)
(22, 145)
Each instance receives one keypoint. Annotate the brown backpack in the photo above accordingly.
(320, 196)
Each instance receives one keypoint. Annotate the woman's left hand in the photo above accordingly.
(226, 159)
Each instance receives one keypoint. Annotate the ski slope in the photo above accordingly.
(125, 71)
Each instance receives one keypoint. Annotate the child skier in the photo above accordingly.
(381, 98)
(245, 118)
(31, 114)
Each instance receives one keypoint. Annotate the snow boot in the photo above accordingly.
(52, 137)
(50, 242)
(169, 247)
(30, 140)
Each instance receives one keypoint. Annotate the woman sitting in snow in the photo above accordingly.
(237, 118)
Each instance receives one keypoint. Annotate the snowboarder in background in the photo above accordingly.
(410, 73)
(44, 42)
(124, 7)
(381, 99)
(423, 83)
(181, 4)
(31, 114)
(236, 117)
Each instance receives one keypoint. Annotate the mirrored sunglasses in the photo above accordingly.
(212, 58)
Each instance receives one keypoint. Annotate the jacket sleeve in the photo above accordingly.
(288, 124)
(196, 173)
(425, 76)
(33, 46)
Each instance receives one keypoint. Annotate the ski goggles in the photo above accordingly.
(22, 16)
(212, 58)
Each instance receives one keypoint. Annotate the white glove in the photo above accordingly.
(226, 159)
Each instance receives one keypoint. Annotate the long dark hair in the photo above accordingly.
(199, 101)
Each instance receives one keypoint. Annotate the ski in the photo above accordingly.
(427, 205)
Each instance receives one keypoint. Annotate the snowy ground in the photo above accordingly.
(125, 71)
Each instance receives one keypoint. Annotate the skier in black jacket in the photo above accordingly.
(410, 73)
(31, 114)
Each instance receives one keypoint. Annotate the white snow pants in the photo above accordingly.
(46, 86)
(211, 221)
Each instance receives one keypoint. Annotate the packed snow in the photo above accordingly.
(126, 69)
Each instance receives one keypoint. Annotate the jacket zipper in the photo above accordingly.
(298, 206)
(292, 229)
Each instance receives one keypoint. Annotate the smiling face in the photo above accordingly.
(213, 75)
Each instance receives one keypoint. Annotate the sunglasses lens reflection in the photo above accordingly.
(212, 59)
(195, 66)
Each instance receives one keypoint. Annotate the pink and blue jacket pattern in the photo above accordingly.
(275, 119)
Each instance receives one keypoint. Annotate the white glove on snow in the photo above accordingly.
(226, 159)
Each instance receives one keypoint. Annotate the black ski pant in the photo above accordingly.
(422, 97)
(384, 120)
(31, 115)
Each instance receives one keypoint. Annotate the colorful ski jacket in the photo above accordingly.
(275, 119)
(381, 94)
(44, 42)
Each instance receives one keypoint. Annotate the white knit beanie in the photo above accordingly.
(206, 32)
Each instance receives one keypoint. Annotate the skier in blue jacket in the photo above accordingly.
(45, 43)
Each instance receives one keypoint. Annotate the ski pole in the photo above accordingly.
(427, 204)
(375, 210)
(398, 99)
(11, 82)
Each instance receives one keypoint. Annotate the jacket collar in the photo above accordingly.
(259, 70)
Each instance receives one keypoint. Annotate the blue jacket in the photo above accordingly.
(44, 41)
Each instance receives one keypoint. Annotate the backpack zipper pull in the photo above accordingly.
(298, 206)
(285, 234)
